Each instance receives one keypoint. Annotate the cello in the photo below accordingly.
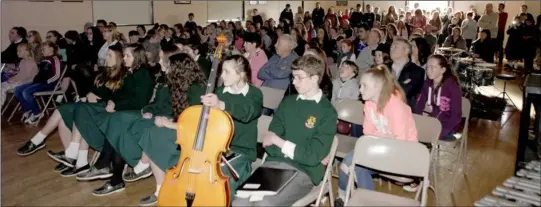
(203, 133)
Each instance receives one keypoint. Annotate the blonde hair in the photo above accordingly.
(389, 85)
(37, 37)
(28, 48)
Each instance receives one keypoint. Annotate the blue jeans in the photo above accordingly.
(356, 130)
(25, 95)
(6, 76)
(364, 176)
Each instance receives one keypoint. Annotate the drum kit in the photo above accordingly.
(472, 72)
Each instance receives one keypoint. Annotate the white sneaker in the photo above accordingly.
(411, 187)
(26, 115)
(33, 119)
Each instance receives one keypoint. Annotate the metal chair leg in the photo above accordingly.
(14, 110)
(6, 105)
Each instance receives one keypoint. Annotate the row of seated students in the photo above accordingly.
(118, 120)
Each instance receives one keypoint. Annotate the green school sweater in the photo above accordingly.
(135, 92)
(245, 111)
(161, 106)
(311, 126)
(103, 92)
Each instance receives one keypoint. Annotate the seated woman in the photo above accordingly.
(483, 48)
(455, 40)
(441, 96)
(256, 56)
(25, 71)
(239, 98)
(386, 115)
(62, 117)
(132, 91)
(50, 70)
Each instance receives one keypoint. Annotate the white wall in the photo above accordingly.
(63, 16)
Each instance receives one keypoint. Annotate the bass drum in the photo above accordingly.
(483, 76)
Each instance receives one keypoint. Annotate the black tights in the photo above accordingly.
(108, 155)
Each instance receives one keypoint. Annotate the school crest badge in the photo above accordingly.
(310, 122)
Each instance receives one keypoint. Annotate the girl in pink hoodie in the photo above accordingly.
(386, 114)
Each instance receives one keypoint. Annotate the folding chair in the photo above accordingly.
(463, 141)
(60, 89)
(325, 186)
(350, 111)
(272, 97)
(262, 127)
(390, 156)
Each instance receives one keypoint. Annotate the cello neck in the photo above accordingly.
(211, 83)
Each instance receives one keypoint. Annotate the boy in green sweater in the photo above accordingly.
(300, 135)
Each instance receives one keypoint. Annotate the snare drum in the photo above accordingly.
(482, 76)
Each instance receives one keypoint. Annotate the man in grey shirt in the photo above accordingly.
(276, 72)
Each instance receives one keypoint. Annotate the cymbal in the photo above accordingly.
(450, 49)
(486, 65)
(470, 60)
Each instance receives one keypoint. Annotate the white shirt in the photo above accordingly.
(289, 147)
(397, 68)
(242, 91)
(102, 54)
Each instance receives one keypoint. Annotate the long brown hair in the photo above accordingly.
(112, 77)
(389, 87)
(139, 56)
(449, 72)
(184, 73)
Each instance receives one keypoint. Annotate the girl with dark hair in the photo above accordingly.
(256, 56)
(130, 91)
(483, 48)
(420, 51)
(441, 96)
(163, 152)
(141, 30)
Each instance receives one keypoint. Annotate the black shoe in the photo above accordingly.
(93, 173)
(60, 167)
(108, 189)
(61, 158)
(338, 202)
(149, 200)
(29, 148)
(131, 176)
(70, 172)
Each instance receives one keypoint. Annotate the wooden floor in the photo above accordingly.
(31, 181)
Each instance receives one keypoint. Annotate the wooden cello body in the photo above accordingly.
(203, 133)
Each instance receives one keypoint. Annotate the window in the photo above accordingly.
(429, 5)
(257, 2)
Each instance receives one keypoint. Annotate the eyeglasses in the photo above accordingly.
(297, 78)
(48, 37)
